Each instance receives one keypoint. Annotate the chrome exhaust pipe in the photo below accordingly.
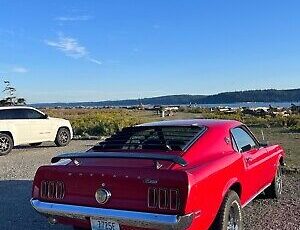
(52, 220)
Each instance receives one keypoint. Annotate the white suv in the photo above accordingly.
(25, 125)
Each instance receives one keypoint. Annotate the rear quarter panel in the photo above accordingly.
(213, 167)
(10, 126)
(208, 186)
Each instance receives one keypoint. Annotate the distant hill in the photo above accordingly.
(268, 95)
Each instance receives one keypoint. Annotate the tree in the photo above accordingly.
(10, 98)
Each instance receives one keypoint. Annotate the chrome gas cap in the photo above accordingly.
(102, 195)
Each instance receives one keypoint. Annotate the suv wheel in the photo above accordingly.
(63, 137)
(6, 144)
(230, 213)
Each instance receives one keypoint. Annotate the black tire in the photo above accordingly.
(35, 144)
(63, 137)
(229, 216)
(274, 191)
(6, 144)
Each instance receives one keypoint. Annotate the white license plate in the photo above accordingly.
(102, 224)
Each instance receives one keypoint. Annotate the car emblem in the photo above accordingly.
(227, 140)
(150, 181)
(102, 195)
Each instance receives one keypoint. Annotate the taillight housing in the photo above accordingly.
(52, 190)
(163, 198)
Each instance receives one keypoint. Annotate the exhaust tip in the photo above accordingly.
(52, 220)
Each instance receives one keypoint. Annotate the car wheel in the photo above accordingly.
(63, 137)
(35, 144)
(274, 191)
(230, 213)
(6, 144)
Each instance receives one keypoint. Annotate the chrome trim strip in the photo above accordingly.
(129, 218)
(255, 195)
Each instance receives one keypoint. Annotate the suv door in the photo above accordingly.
(254, 158)
(40, 126)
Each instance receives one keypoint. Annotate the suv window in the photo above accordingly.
(242, 139)
(33, 114)
(8, 114)
(12, 114)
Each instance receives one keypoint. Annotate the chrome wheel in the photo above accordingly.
(4, 144)
(63, 137)
(278, 180)
(234, 217)
(274, 191)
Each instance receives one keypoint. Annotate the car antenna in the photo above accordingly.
(262, 134)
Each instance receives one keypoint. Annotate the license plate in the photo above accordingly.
(102, 224)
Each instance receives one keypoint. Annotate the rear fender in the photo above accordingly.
(229, 184)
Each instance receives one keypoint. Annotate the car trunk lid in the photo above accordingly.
(139, 188)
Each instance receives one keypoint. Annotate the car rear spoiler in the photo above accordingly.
(121, 155)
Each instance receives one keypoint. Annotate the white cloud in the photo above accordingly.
(95, 61)
(19, 70)
(71, 47)
(68, 46)
(74, 18)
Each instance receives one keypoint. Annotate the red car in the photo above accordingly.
(182, 174)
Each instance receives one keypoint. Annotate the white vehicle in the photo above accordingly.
(25, 125)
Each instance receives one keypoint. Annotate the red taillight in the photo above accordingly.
(174, 199)
(152, 197)
(163, 198)
(52, 190)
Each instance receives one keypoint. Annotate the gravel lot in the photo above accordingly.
(18, 168)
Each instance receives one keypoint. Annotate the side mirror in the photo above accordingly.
(246, 148)
(46, 116)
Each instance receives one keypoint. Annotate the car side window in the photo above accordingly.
(243, 140)
(33, 114)
(11, 114)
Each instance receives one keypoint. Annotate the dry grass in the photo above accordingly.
(106, 121)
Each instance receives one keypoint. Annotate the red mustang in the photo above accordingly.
(182, 174)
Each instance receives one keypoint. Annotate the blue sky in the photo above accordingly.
(97, 50)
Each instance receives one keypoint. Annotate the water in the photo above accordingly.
(250, 104)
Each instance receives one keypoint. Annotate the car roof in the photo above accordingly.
(196, 122)
(16, 107)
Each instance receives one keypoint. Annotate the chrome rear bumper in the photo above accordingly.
(129, 218)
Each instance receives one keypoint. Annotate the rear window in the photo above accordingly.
(173, 138)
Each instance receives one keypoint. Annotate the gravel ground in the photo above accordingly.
(18, 168)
